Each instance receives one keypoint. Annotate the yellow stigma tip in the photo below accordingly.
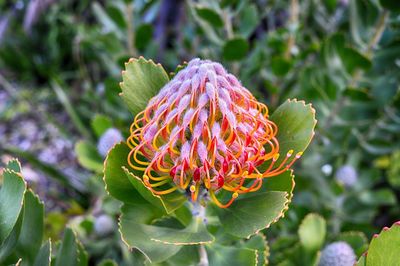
(299, 154)
(235, 195)
(276, 157)
(192, 188)
(290, 152)
(145, 178)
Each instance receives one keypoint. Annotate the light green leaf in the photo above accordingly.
(100, 124)
(249, 20)
(88, 156)
(384, 248)
(361, 261)
(67, 254)
(382, 196)
(231, 256)
(357, 240)
(43, 257)
(30, 241)
(296, 122)
(141, 80)
(11, 200)
(312, 232)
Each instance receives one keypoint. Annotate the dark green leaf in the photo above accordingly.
(209, 15)
(235, 49)
(143, 36)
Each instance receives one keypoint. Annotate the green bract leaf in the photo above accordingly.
(11, 200)
(31, 235)
(235, 49)
(231, 256)
(170, 202)
(141, 80)
(312, 232)
(258, 242)
(67, 254)
(137, 234)
(43, 258)
(123, 183)
(14, 165)
(247, 216)
(117, 183)
(296, 122)
(384, 248)
(254, 212)
(88, 156)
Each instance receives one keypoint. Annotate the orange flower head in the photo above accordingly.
(204, 130)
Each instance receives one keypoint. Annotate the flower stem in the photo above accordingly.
(203, 256)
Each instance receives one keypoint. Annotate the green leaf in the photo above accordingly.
(83, 259)
(141, 80)
(390, 4)
(280, 66)
(11, 200)
(357, 240)
(384, 248)
(170, 202)
(362, 261)
(144, 228)
(43, 257)
(296, 122)
(123, 183)
(143, 36)
(187, 255)
(209, 15)
(88, 156)
(67, 254)
(231, 256)
(247, 216)
(312, 232)
(108, 262)
(258, 242)
(249, 20)
(235, 49)
(117, 183)
(7, 247)
(30, 241)
(14, 165)
(256, 211)
(379, 197)
(100, 124)
(195, 233)
(137, 234)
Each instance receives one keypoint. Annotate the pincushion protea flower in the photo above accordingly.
(204, 130)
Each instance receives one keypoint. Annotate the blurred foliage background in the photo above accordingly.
(61, 62)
